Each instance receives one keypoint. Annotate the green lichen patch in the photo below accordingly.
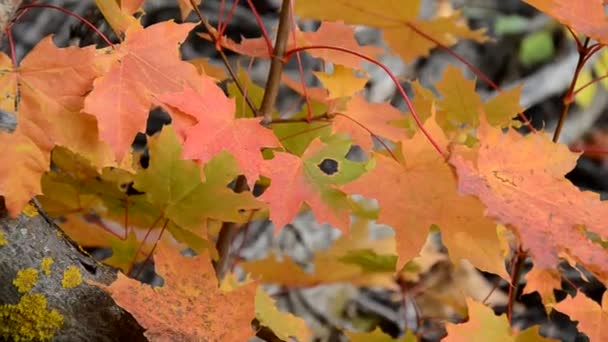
(2, 239)
(45, 265)
(71, 277)
(29, 320)
(26, 279)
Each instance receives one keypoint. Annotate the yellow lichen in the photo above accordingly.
(30, 210)
(45, 264)
(2, 239)
(71, 277)
(26, 279)
(29, 320)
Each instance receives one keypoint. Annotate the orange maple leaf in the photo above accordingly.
(146, 65)
(218, 130)
(421, 191)
(52, 84)
(521, 182)
(298, 180)
(592, 317)
(329, 33)
(586, 17)
(365, 117)
(359, 117)
(190, 305)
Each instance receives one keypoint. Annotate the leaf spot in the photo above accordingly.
(328, 166)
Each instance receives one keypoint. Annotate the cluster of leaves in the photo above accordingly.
(453, 162)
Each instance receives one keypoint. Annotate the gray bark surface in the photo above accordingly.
(89, 313)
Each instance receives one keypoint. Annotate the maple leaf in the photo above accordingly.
(334, 34)
(353, 258)
(358, 116)
(97, 210)
(521, 182)
(311, 179)
(544, 281)
(119, 15)
(423, 192)
(146, 65)
(296, 136)
(342, 82)
(190, 305)
(52, 84)
(218, 130)
(364, 117)
(174, 186)
(398, 22)
(460, 103)
(484, 325)
(283, 324)
(592, 318)
(586, 17)
(185, 7)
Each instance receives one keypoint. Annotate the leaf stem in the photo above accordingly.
(516, 271)
(408, 102)
(583, 50)
(70, 13)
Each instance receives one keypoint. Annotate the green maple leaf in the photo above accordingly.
(175, 187)
(296, 136)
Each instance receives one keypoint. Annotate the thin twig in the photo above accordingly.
(215, 39)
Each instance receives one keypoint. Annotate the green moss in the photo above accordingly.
(26, 279)
(71, 277)
(45, 264)
(2, 239)
(29, 320)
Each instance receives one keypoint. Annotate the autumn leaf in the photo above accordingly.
(146, 65)
(311, 179)
(484, 325)
(52, 85)
(218, 130)
(398, 21)
(174, 186)
(545, 281)
(185, 7)
(342, 262)
(421, 191)
(592, 317)
(334, 34)
(119, 15)
(295, 137)
(283, 324)
(360, 119)
(190, 305)
(342, 82)
(98, 210)
(521, 182)
(357, 116)
(460, 104)
(585, 17)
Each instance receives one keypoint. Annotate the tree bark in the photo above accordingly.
(89, 313)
